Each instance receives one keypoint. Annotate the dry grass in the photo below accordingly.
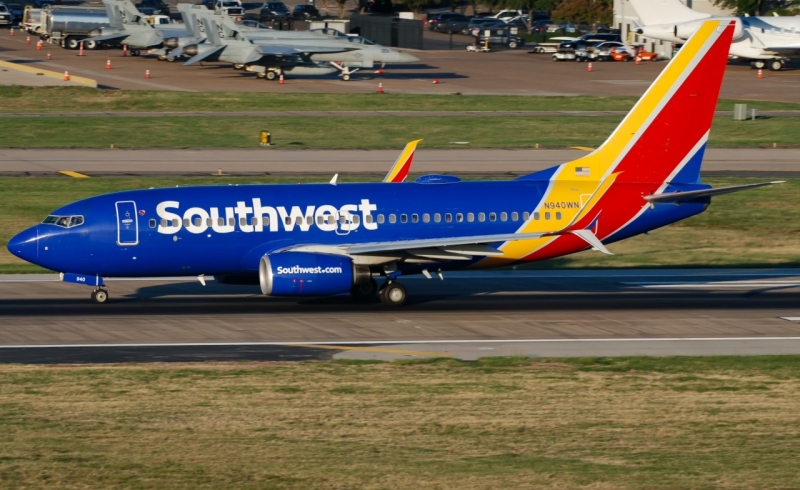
(500, 423)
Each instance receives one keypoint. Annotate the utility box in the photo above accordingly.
(740, 112)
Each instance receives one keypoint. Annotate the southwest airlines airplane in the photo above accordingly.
(329, 239)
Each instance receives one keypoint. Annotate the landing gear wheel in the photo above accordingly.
(271, 75)
(172, 59)
(365, 291)
(345, 77)
(238, 66)
(776, 65)
(393, 294)
(261, 74)
(100, 296)
(758, 64)
(162, 57)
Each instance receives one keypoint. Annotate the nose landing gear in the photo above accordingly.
(100, 295)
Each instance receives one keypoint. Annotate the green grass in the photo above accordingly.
(749, 229)
(373, 132)
(78, 99)
(625, 423)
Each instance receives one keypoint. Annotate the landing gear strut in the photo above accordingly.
(393, 294)
(100, 295)
(346, 72)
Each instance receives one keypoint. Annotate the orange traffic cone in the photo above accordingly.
(108, 64)
(379, 71)
(147, 73)
(11, 32)
(380, 88)
(124, 50)
(589, 68)
(638, 60)
(435, 80)
(66, 76)
(48, 56)
(760, 74)
(39, 45)
(280, 80)
(28, 40)
(80, 49)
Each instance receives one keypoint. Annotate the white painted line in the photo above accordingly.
(790, 318)
(398, 342)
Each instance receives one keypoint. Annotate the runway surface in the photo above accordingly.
(282, 161)
(469, 315)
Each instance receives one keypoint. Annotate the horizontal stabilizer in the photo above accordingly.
(677, 197)
(204, 55)
(110, 37)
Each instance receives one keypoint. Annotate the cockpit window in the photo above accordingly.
(63, 221)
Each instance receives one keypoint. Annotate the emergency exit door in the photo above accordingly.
(127, 224)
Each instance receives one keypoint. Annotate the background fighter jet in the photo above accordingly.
(128, 26)
(242, 46)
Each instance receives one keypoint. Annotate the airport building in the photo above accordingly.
(625, 19)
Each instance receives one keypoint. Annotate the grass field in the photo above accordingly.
(372, 132)
(635, 423)
(81, 99)
(748, 229)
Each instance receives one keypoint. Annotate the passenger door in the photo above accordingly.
(127, 224)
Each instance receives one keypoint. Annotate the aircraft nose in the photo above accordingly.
(406, 57)
(25, 245)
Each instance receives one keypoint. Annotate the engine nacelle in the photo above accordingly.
(309, 274)
(686, 29)
(190, 50)
(171, 42)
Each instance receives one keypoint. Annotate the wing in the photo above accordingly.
(292, 49)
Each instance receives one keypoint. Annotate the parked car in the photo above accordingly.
(159, 5)
(501, 37)
(478, 22)
(274, 9)
(577, 50)
(6, 17)
(602, 51)
(594, 36)
(305, 11)
(518, 23)
(17, 10)
(452, 23)
(230, 7)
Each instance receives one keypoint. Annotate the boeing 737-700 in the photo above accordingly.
(331, 239)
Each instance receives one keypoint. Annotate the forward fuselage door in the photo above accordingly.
(127, 224)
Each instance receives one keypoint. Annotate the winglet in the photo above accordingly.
(402, 166)
(592, 240)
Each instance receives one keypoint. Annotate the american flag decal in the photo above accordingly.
(582, 171)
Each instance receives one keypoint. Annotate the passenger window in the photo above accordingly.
(547, 215)
(288, 220)
(448, 217)
(185, 221)
(343, 219)
(392, 219)
(558, 214)
(198, 221)
(254, 221)
(503, 216)
(152, 223)
(221, 221)
(232, 222)
(437, 217)
(481, 217)
(492, 216)
(369, 219)
(459, 217)
(426, 218)
(525, 216)
(404, 218)
(242, 221)
(415, 218)
(209, 221)
(536, 216)
(470, 217)
(356, 219)
(515, 216)
(330, 219)
(175, 223)
(164, 223)
(320, 220)
(380, 219)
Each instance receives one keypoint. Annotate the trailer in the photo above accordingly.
(69, 26)
(32, 20)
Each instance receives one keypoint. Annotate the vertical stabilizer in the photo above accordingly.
(653, 12)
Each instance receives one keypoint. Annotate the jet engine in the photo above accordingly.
(686, 29)
(309, 274)
(190, 50)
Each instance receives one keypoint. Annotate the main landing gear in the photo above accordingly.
(100, 295)
(391, 293)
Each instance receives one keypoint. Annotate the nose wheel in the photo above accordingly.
(100, 296)
(393, 294)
